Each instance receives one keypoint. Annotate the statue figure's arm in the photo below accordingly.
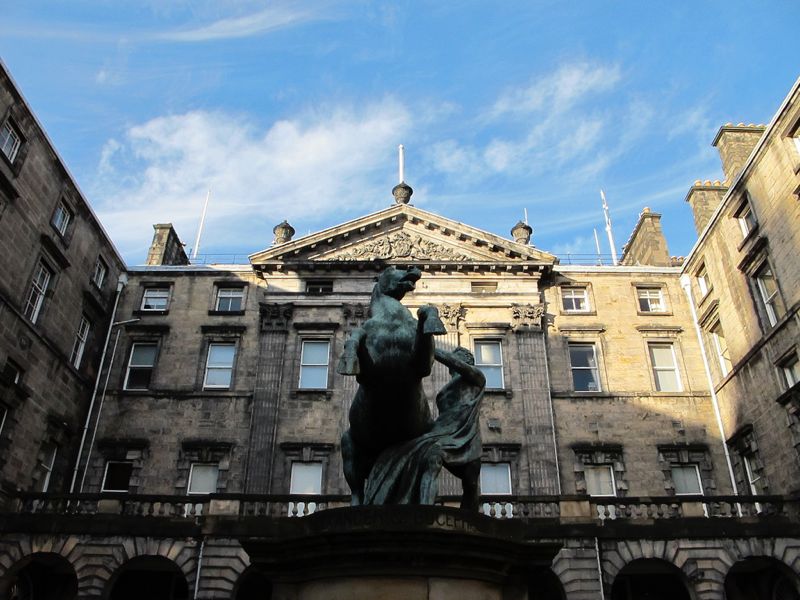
(469, 372)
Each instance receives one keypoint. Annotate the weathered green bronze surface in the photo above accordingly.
(393, 452)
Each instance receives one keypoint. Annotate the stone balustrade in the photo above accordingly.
(564, 508)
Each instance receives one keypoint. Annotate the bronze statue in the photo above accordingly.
(409, 473)
(393, 452)
(389, 355)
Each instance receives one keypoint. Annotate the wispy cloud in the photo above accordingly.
(269, 19)
(558, 91)
(310, 167)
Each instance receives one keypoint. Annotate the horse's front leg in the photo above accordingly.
(348, 363)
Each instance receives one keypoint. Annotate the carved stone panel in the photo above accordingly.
(400, 245)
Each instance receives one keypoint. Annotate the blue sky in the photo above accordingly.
(295, 110)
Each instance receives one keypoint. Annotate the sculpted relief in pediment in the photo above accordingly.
(400, 245)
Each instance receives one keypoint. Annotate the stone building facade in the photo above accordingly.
(59, 282)
(630, 414)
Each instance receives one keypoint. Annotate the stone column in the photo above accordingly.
(274, 332)
(533, 387)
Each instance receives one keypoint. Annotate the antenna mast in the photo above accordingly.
(608, 229)
(402, 165)
(597, 245)
(200, 227)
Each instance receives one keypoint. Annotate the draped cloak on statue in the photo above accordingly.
(454, 438)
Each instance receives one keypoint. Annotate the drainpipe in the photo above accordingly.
(102, 400)
(599, 568)
(121, 283)
(686, 284)
(199, 566)
(550, 405)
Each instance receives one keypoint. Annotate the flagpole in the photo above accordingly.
(200, 228)
(608, 229)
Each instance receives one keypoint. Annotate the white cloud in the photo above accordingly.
(306, 168)
(558, 91)
(269, 19)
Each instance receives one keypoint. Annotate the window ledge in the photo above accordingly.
(140, 312)
(655, 313)
(578, 313)
(318, 392)
(751, 235)
(507, 392)
(226, 313)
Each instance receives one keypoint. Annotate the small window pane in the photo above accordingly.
(155, 299)
(9, 141)
(575, 299)
(143, 355)
(489, 359)
(599, 480)
(229, 299)
(488, 353)
(315, 353)
(583, 364)
(662, 355)
(117, 477)
(221, 355)
(495, 478)
(219, 365)
(686, 479)
(306, 478)
(203, 478)
(314, 357)
(61, 218)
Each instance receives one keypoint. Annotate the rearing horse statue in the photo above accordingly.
(389, 355)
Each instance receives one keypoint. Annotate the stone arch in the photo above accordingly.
(40, 574)
(252, 584)
(224, 563)
(575, 566)
(656, 576)
(150, 576)
(704, 583)
(102, 559)
(545, 585)
(761, 578)
(784, 550)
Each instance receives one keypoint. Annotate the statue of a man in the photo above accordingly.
(409, 473)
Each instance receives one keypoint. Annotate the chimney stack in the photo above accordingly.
(735, 143)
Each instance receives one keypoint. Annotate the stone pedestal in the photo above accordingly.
(398, 553)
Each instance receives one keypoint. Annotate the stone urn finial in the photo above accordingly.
(402, 193)
(283, 233)
(522, 232)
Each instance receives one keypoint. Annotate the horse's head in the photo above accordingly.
(396, 283)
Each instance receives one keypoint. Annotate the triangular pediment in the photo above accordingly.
(402, 234)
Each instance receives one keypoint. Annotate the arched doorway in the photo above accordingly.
(252, 585)
(761, 578)
(650, 579)
(545, 585)
(151, 577)
(41, 576)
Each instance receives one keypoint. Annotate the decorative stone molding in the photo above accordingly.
(453, 313)
(355, 312)
(275, 316)
(401, 245)
(527, 315)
